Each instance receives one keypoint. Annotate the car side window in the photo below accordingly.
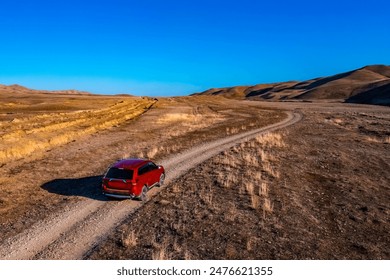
(143, 169)
(152, 166)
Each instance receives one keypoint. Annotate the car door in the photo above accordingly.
(142, 176)
(154, 172)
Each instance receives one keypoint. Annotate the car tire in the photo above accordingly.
(162, 178)
(143, 196)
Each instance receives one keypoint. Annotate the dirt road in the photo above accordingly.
(78, 228)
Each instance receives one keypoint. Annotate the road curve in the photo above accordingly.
(80, 227)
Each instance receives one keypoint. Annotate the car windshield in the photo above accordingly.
(116, 173)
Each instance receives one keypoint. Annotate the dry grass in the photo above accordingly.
(176, 188)
(208, 197)
(250, 188)
(270, 140)
(255, 201)
(263, 190)
(372, 139)
(34, 134)
(160, 254)
(232, 130)
(267, 207)
(187, 255)
(179, 117)
(269, 169)
(152, 152)
(129, 239)
(247, 166)
(232, 212)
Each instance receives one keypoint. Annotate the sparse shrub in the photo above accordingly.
(160, 254)
(128, 240)
(250, 188)
(255, 201)
(267, 206)
(263, 191)
(179, 117)
(152, 152)
(270, 139)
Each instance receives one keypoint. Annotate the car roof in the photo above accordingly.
(130, 163)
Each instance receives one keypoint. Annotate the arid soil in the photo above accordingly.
(319, 189)
(57, 191)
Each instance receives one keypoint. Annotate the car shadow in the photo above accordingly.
(89, 187)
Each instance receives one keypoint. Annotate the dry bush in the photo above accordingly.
(235, 149)
(250, 159)
(160, 251)
(267, 205)
(255, 201)
(270, 140)
(232, 130)
(175, 188)
(152, 152)
(250, 188)
(269, 169)
(141, 154)
(263, 155)
(251, 241)
(126, 155)
(263, 190)
(208, 196)
(257, 177)
(386, 140)
(160, 254)
(232, 212)
(128, 240)
(176, 246)
(187, 255)
(373, 139)
(227, 160)
(179, 117)
(226, 181)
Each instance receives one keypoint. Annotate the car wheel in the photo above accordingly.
(162, 178)
(143, 196)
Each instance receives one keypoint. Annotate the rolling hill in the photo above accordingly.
(368, 85)
(12, 89)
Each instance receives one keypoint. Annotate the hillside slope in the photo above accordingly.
(17, 89)
(370, 85)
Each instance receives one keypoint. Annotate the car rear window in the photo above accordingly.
(116, 173)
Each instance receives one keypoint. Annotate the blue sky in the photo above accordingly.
(180, 47)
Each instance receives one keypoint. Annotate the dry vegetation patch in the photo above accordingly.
(25, 136)
(319, 190)
(216, 211)
(52, 178)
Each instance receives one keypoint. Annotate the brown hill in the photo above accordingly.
(15, 89)
(369, 85)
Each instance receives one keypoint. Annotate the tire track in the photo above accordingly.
(72, 233)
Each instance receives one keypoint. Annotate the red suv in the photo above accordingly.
(132, 178)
